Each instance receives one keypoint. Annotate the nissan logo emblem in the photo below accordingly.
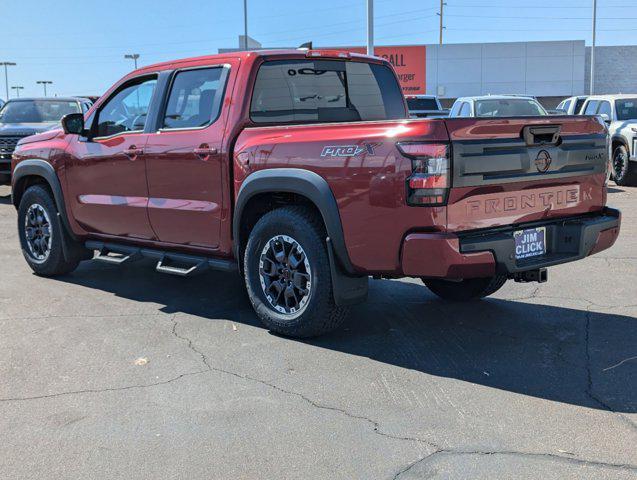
(543, 161)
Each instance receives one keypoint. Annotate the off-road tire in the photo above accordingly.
(320, 314)
(55, 263)
(467, 289)
(625, 171)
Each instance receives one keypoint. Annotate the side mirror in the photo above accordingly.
(73, 123)
(605, 117)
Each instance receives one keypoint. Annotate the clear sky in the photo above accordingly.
(80, 45)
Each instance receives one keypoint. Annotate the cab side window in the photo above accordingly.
(591, 107)
(195, 98)
(578, 106)
(127, 109)
(465, 110)
(604, 107)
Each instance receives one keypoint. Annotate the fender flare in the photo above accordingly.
(302, 182)
(619, 139)
(40, 168)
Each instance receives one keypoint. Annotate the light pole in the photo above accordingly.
(133, 57)
(44, 83)
(245, 24)
(17, 89)
(370, 27)
(592, 86)
(6, 75)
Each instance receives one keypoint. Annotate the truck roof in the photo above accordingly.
(495, 97)
(48, 99)
(612, 97)
(253, 54)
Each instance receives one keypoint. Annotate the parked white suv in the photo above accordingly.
(571, 105)
(497, 106)
(620, 113)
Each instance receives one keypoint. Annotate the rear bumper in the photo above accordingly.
(487, 252)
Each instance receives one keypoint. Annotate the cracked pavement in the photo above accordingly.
(539, 381)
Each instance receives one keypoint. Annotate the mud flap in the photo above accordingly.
(70, 249)
(347, 290)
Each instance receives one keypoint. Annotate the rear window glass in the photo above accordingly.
(564, 106)
(510, 107)
(305, 91)
(422, 104)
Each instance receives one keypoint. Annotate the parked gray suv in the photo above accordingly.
(22, 117)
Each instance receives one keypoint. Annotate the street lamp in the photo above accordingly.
(17, 89)
(6, 75)
(44, 83)
(245, 24)
(133, 57)
(592, 81)
(370, 27)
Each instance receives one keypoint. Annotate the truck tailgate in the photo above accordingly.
(514, 170)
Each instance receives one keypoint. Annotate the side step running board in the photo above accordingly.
(186, 270)
(173, 263)
(117, 257)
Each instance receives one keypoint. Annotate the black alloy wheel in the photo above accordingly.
(38, 233)
(285, 275)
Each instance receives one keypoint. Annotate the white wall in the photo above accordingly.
(532, 68)
(615, 69)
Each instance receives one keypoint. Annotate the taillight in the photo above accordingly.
(429, 181)
(328, 53)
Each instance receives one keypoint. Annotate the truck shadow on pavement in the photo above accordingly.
(570, 355)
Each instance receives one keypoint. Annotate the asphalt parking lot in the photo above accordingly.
(124, 373)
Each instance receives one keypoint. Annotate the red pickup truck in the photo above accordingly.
(302, 171)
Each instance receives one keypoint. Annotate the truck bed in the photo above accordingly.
(492, 167)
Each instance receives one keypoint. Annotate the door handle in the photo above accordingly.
(132, 152)
(204, 151)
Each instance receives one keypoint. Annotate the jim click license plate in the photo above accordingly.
(530, 242)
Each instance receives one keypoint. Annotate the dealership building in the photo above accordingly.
(547, 70)
(550, 71)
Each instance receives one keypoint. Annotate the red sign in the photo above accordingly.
(410, 64)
